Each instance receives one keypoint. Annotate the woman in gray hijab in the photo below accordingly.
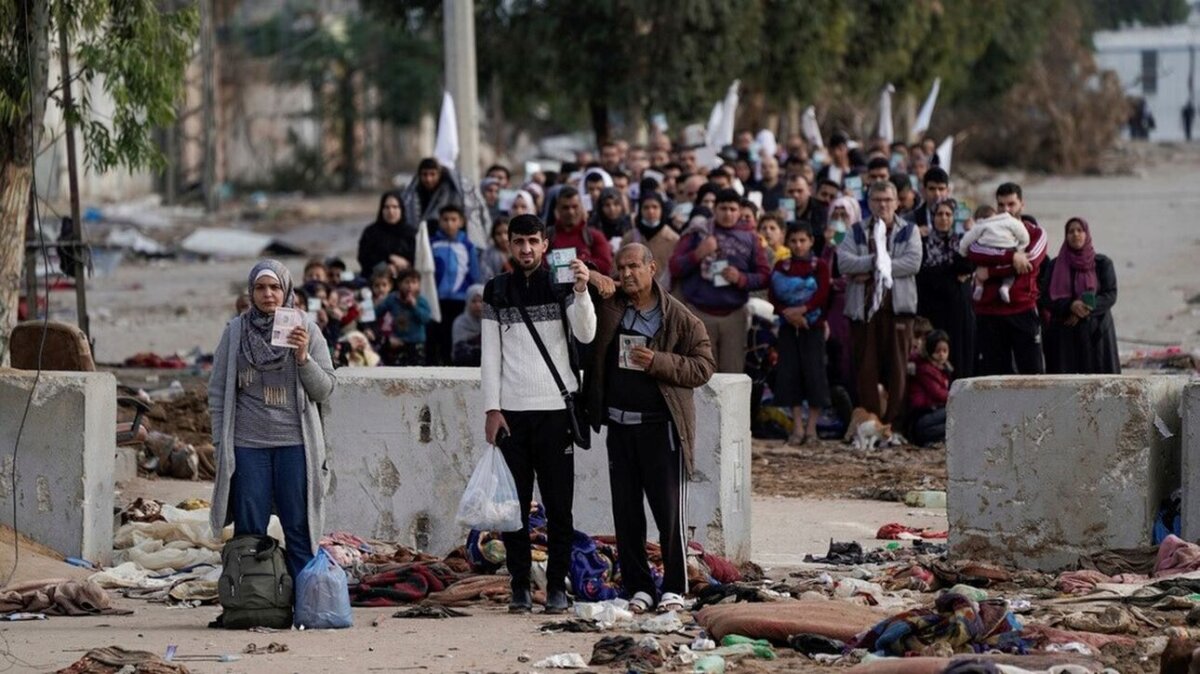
(270, 444)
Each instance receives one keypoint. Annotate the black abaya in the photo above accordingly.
(1090, 346)
(946, 302)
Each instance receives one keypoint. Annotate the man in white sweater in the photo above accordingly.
(526, 411)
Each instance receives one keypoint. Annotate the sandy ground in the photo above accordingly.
(1145, 222)
(488, 640)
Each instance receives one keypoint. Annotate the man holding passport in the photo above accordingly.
(648, 355)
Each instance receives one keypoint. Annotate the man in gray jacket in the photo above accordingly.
(881, 257)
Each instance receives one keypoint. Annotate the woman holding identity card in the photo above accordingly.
(270, 371)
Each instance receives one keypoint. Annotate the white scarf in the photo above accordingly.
(883, 266)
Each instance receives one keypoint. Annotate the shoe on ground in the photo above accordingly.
(556, 602)
(670, 602)
(522, 601)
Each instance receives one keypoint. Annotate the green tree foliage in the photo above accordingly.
(1112, 14)
(577, 63)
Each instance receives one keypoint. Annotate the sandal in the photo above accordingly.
(797, 440)
(640, 603)
(670, 602)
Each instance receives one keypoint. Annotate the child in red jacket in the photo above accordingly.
(929, 389)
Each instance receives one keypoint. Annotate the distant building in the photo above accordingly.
(1159, 65)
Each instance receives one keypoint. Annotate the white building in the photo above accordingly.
(1158, 64)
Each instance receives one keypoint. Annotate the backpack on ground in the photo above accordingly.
(254, 589)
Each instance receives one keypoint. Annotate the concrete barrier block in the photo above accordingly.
(403, 442)
(1191, 461)
(1044, 469)
(64, 467)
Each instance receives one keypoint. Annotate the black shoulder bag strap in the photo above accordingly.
(576, 429)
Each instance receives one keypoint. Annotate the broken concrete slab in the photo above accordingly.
(1044, 469)
(1191, 461)
(403, 443)
(64, 467)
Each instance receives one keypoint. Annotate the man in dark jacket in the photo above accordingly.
(649, 353)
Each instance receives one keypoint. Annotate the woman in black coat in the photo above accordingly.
(388, 239)
(1078, 289)
(944, 289)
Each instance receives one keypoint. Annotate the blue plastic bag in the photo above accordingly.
(322, 595)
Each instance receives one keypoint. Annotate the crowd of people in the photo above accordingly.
(847, 281)
(837, 277)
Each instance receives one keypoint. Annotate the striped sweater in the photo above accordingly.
(514, 375)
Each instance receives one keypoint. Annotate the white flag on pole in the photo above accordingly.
(812, 130)
(728, 114)
(943, 153)
(921, 123)
(446, 147)
(423, 263)
(885, 114)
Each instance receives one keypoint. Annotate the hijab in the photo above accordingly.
(467, 327)
(1074, 270)
(853, 211)
(256, 325)
(525, 196)
(940, 246)
(611, 227)
(650, 229)
(398, 196)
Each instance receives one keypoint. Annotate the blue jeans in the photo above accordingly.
(266, 477)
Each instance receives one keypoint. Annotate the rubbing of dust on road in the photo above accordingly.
(829, 469)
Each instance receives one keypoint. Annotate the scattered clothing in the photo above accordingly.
(428, 609)
(899, 532)
(776, 621)
(954, 620)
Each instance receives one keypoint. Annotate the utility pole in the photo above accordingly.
(461, 82)
(208, 105)
(80, 247)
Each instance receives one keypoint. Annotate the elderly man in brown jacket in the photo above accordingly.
(648, 355)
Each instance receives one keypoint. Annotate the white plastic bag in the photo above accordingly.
(490, 501)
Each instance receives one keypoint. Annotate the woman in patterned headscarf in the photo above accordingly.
(270, 444)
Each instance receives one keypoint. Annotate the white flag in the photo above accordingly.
(713, 129)
(423, 263)
(729, 114)
(921, 124)
(446, 147)
(885, 114)
(943, 153)
(812, 130)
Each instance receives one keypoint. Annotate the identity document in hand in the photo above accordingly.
(560, 265)
(286, 320)
(715, 269)
(625, 351)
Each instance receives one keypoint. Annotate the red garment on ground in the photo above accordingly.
(1176, 556)
(892, 531)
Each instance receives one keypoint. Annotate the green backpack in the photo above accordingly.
(255, 588)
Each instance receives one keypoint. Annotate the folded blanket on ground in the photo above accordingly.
(777, 621)
(405, 584)
(68, 598)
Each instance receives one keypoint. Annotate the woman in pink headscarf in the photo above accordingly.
(1078, 289)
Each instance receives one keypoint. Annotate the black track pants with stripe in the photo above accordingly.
(645, 462)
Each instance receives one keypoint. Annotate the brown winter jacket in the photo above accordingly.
(683, 360)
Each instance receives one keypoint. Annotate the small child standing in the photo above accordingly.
(799, 291)
(456, 268)
(403, 316)
(1001, 233)
(770, 230)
